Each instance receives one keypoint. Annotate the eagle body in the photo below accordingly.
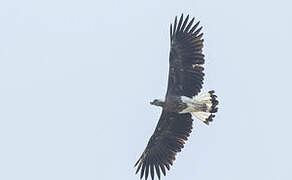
(183, 100)
(181, 104)
(174, 104)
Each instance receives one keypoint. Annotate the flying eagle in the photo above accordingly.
(182, 100)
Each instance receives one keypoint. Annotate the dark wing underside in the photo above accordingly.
(186, 58)
(185, 79)
(168, 138)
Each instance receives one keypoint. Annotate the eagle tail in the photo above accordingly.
(210, 99)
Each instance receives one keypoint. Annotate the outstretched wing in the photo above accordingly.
(185, 79)
(186, 58)
(168, 138)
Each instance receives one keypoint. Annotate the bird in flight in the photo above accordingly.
(183, 100)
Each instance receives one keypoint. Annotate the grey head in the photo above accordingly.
(157, 102)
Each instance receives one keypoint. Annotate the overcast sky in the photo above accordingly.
(76, 79)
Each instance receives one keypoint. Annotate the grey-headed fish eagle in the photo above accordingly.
(182, 101)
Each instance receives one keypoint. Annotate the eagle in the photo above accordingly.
(183, 99)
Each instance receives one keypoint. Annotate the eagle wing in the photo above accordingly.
(168, 138)
(186, 75)
(185, 78)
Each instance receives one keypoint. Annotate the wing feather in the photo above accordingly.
(185, 22)
(194, 27)
(157, 170)
(175, 23)
(167, 140)
(180, 22)
(189, 25)
(185, 55)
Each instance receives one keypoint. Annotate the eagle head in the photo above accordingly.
(157, 102)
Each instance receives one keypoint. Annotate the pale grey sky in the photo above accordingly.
(76, 79)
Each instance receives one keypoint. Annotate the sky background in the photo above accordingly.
(76, 79)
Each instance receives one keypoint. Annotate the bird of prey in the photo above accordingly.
(182, 101)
